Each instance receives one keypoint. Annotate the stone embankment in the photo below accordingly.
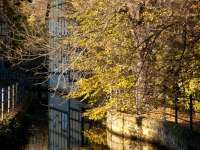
(167, 134)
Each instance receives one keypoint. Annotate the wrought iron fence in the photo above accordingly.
(184, 111)
(12, 91)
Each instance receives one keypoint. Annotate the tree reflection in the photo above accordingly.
(97, 138)
(100, 138)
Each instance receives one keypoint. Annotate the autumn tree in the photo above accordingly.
(127, 53)
(134, 51)
(28, 35)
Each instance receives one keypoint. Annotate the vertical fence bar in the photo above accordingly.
(16, 92)
(22, 89)
(2, 103)
(191, 111)
(8, 99)
(176, 109)
(13, 97)
(24, 86)
(19, 92)
(164, 107)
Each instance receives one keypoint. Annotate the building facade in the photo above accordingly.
(65, 121)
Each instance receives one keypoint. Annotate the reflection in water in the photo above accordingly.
(38, 126)
(65, 124)
(38, 140)
(97, 138)
(116, 142)
(100, 139)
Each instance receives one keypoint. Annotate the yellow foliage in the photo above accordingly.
(31, 19)
(95, 113)
(127, 47)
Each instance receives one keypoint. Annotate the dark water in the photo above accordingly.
(31, 119)
(100, 139)
(38, 129)
(109, 142)
(48, 134)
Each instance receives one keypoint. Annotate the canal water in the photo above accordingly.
(59, 126)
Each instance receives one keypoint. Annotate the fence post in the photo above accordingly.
(164, 107)
(16, 92)
(13, 97)
(191, 111)
(8, 99)
(19, 91)
(2, 103)
(176, 109)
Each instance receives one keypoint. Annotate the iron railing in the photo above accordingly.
(184, 111)
(12, 94)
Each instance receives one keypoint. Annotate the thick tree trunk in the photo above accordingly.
(141, 81)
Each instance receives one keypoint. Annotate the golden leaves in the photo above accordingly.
(120, 50)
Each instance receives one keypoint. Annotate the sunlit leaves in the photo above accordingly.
(97, 113)
(129, 46)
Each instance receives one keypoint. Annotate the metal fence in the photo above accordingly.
(11, 94)
(192, 115)
(184, 111)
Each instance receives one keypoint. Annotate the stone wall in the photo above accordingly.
(164, 133)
